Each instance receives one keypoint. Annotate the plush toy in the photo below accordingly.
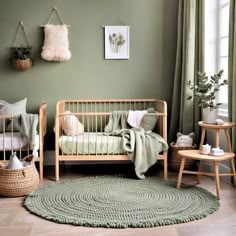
(185, 140)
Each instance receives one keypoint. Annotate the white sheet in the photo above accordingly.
(13, 141)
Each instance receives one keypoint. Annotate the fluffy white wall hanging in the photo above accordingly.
(56, 43)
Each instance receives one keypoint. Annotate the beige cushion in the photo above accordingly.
(71, 125)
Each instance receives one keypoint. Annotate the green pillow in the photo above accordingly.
(2, 104)
(14, 124)
(149, 120)
(14, 109)
(1, 125)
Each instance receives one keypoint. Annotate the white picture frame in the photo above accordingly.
(116, 42)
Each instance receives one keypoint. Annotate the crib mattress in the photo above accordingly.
(14, 141)
(91, 143)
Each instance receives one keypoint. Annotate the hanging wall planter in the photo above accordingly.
(21, 55)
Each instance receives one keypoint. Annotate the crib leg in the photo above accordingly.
(57, 170)
(165, 169)
(41, 170)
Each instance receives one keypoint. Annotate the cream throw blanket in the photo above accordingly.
(56, 43)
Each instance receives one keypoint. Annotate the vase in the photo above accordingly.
(209, 115)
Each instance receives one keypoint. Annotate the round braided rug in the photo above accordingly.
(118, 202)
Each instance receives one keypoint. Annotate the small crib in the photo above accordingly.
(91, 144)
(12, 139)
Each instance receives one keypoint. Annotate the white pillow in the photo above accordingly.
(71, 125)
(56, 43)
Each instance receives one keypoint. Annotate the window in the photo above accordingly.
(223, 53)
(216, 45)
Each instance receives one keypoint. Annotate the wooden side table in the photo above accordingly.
(196, 155)
(217, 129)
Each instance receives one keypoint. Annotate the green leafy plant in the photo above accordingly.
(204, 91)
(21, 52)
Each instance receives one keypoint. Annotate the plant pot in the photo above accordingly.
(209, 115)
(23, 64)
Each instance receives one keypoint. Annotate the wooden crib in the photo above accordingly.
(94, 115)
(12, 140)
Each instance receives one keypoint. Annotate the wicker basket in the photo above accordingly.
(19, 182)
(23, 64)
(174, 159)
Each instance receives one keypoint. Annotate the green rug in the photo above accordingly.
(119, 202)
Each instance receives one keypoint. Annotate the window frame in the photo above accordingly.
(223, 109)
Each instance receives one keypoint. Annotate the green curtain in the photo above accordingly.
(232, 69)
(189, 60)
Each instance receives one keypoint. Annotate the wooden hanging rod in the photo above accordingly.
(60, 24)
(103, 26)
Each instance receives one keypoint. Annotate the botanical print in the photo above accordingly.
(116, 42)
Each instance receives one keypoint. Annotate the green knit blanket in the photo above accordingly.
(143, 147)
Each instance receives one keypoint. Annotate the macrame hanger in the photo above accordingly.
(21, 26)
(59, 16)
(55, 10)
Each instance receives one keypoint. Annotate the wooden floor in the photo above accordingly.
(15, 220)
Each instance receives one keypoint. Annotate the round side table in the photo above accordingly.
(217, 129)
(196, 155)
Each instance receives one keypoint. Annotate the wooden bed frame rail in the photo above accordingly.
(97, 112)
(42, 133)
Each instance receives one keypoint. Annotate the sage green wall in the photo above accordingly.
(147, 74)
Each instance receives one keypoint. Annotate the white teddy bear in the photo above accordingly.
(185, 140)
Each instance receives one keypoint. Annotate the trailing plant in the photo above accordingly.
(21, 52)
(205, 89)
(20, 57)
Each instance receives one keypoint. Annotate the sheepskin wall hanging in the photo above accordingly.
(56, 43)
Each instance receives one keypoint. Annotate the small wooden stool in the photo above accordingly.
(195, 154)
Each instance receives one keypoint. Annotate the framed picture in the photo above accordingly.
(116, 42)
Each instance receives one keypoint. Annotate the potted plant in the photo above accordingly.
(21, 57)
(204, 93)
